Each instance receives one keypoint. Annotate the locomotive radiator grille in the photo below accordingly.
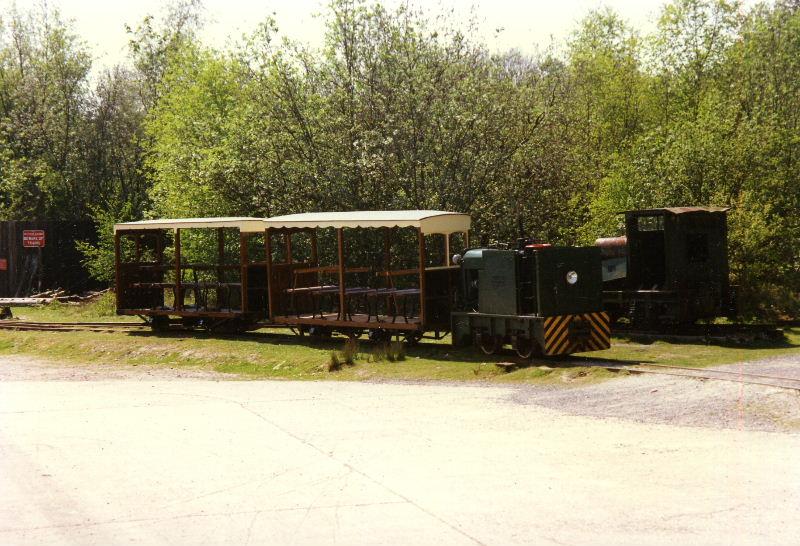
(566, 334)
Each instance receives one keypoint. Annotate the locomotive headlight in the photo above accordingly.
(572, 277)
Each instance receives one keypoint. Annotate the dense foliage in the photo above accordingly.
(402, 111)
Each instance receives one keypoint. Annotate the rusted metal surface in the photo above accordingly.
(613, 247)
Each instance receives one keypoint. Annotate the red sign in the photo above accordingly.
(33, 238)
(3, 264)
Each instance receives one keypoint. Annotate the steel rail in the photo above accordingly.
(712, 370)
(705, 377)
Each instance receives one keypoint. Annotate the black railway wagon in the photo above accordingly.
(671, 267)
(57, 264)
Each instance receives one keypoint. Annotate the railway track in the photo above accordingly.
(711, 374)
(705, 333)
(25, 325)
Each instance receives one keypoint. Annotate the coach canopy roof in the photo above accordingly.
(243, 224)
(429, 221)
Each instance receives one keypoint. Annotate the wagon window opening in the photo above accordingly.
(697, 248)
(650, 223)
(301, 247)
(458, 244)
(256, 252)
(278, 247)
(434, 250)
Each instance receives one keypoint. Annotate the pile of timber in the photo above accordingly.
(51, 296)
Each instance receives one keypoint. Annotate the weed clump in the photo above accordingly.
(350, 351)
(394, 351)
(333, 364)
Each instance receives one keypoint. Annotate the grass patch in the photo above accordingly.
(102, 309)
(276, 354)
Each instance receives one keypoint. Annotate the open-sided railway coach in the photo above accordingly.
(380, 273)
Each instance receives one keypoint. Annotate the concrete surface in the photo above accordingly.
(206, 462)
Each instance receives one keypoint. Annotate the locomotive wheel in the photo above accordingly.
(380, 336)
(488, 344)
(525, 347)
(354, 333)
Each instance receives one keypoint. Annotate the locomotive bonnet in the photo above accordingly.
(541, 299)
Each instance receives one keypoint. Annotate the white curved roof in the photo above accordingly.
(429, 221)
(242, 223)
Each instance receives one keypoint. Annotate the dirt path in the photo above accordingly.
(189, 461)
(25, 368)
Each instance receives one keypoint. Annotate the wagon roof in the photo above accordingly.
(676, 210)
(429, 221)
(244, 224)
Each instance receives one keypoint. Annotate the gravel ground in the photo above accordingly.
(647, 398)
(653, 398)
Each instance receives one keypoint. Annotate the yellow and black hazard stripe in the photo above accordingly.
(566, 334)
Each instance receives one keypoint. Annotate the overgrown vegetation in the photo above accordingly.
(401, 110)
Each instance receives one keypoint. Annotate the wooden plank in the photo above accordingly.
(23, 302)
(358, 322)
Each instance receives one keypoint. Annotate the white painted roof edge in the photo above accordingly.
(429, 221)
(243, 224)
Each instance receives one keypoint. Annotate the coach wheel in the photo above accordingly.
(489, 344)
(412, 338)
(354, 333)
(319, 332)
(524, 346)
(159, 324)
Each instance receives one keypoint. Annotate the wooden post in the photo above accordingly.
(220, 252)
(117, 271)
(288, 242)
(178, 305)
(466, 239)
(270, 284)
(244, 258)
(160, 250)
(447, 249)
(421, 237)
(387, 248)
(340, 240)
(314, 250)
